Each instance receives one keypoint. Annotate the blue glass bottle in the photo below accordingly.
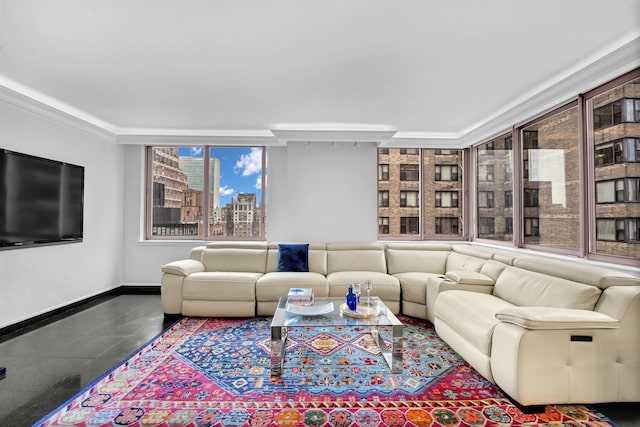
(352, 299)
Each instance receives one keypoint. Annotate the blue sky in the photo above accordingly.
(240, 169)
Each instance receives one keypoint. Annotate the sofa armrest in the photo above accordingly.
(551, 318)
(183, 267)
(469, 278)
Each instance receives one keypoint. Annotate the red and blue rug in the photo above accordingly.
(215, 372)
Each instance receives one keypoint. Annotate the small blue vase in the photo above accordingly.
(352, 299)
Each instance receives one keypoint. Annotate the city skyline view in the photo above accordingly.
(240, 170)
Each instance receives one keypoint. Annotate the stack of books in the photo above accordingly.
(300, 296)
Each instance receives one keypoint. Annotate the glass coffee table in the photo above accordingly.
(375, 314)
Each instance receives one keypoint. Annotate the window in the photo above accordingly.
(485, 172)
(615, 145)
(532, 227)
(632, 192)
(446, 172)
(531, 197)
(408, 199)
(445, 225)
(446, 199)
(508, 199)
(618, 229)
(412, 151)
(383, 150)
(486, 225)
(493, 157)
(413, 184)
(383, 225)
(618, 190)
(409, 225)
(625, 110)
(551, 180)
(508, 225)
(485, 199)
(383, 199)
(529, 139)
(624, 150)
(383, 172)
(409, 172)
(205, 192)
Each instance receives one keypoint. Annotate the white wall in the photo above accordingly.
(315, 193)
(36, 280)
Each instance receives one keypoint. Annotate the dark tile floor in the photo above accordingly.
(50, 364)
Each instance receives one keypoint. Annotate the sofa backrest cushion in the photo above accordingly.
(529, 288)
(345, 256)
(418, 260)
(317, 255)
(579, 272)
(474, 251)
(492, 269)
(196, 253)
(235, 259)
(456, 261)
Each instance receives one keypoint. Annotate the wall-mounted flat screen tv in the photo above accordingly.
(41, 201)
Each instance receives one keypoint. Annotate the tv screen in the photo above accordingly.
(41, 201)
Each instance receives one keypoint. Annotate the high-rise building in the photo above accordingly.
(192, 166)
(242, 216)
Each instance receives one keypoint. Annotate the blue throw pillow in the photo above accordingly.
(293, 257)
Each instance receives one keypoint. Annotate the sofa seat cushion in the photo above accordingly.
(385, 286)
(414, 286)
(220, 286)
(471, 314)
(274, 285)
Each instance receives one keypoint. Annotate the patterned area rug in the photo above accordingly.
(215, 372)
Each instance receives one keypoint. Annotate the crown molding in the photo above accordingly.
(193, 137)
(19, 97)
(333, 135)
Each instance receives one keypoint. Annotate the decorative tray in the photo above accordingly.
(363, 311)
(310, 310)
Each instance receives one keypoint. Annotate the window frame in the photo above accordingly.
(204, 235)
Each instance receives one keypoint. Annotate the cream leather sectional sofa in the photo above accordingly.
(546, 331)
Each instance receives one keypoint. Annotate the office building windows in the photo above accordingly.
(446, 199)
(409, 199)
(446, 225)
(383, 199)
(383, 172)
(614, 137)
(446, 172)
(486, 226)
(383, 225)
(624, 110)
(409, 172)
(409, 225)
(486, 199)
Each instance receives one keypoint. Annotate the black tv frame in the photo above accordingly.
(63, 186)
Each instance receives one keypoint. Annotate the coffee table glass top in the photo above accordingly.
(334, 318)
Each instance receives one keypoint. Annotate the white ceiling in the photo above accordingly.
(423, 68)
